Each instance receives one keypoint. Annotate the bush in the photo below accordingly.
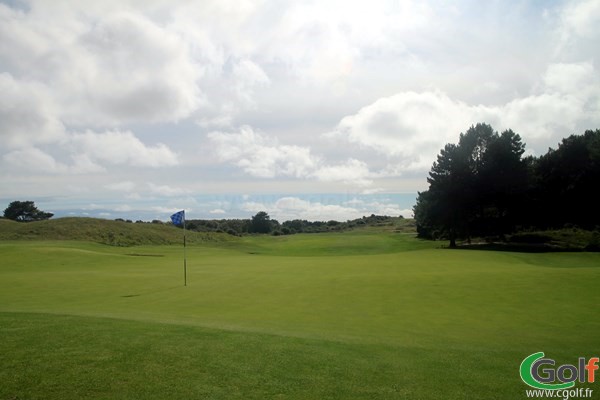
(537, 238)
(594, 243)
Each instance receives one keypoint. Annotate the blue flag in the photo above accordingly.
(178, 218)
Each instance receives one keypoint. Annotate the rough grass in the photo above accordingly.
(561, 239)
(297, 317)
(115, 233)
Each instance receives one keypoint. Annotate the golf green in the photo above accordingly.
(341, 315)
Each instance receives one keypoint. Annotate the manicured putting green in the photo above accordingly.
(345, 315)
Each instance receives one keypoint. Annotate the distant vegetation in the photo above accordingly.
(126, 233)
(485, 187)
(25, 211)
(262, 223)
(115, 233)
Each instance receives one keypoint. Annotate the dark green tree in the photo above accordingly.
(446, 202)
(473, 186)
(425, 216)
(501, 183)
(260, 223)
(25, 211)
(565, 181)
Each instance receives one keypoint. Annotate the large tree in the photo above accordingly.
(473, 186)
(566, 181)
(501, 183)
(25, 211)
(260, 223)
(445, 205)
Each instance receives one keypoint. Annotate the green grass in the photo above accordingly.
(357, 242)
(114, 233)
(356, 315)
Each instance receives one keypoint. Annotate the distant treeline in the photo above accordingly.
(484, 186)
(262, 223)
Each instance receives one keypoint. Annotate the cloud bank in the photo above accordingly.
(99, 98)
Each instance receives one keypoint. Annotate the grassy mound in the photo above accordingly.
(115, 233)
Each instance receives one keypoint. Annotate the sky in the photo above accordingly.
(305, 109)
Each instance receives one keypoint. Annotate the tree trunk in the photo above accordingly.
(452, 240)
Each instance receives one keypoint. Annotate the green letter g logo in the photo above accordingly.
(530, 375)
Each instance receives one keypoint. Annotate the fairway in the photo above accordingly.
(343, 315)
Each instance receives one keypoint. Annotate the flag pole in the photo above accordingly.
(184, 255)
(179, 219)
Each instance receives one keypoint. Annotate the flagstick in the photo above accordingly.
(184, 256)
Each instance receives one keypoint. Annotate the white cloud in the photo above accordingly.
(32, 159)
(83, 164)
(261, 156)
(217, 211)
(570, 77)
(166, 190)
(352, 171)
(27, 115)
(93, 206)
(247, 75)
(89, 152)
(123, 208)
(104, 66)
(116, 147)
(389, 209)
(581, 18)
(542, 117)
(289, 208)
(140, 71)
(93, 88)
(324, 41)
(577, 31)
(166, 210)
(410, 127)
(133, 196)
(373, 190)
(124, 186)
(253, 206)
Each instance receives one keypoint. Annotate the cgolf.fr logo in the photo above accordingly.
(541, 373)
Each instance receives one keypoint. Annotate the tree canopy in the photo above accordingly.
(484, 186)
(473, 186)
(564, 183)
(25, 211)
(260, 223)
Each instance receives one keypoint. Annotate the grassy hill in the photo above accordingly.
(115, 233)
(121, 233)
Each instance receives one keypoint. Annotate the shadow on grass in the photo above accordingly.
(519, 247)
